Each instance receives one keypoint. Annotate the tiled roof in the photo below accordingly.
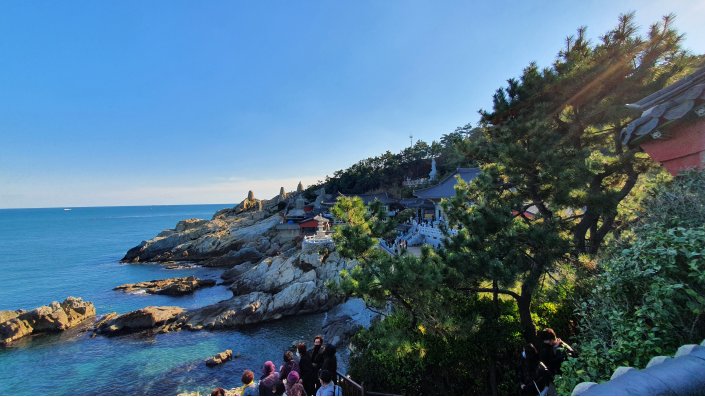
(683, 374)
(666, 105)
(446, 187)
(382, 197)
(416, 203)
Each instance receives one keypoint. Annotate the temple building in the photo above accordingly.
(445, 189)
(671, 128)
(322, 237)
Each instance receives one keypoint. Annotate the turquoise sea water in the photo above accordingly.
(49, 254)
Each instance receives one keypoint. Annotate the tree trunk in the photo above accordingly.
(528, 328)
(493, 347)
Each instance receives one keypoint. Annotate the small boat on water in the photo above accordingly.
(67, 209)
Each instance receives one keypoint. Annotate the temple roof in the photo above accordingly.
(369, 198)
(666, 105)
(417, 203)
(446, 187)
(680, 375)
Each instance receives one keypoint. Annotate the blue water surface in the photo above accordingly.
(49, 254)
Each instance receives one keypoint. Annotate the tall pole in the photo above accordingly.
(411, 140)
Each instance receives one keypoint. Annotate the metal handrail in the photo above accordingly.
(352, 388)
(349, 386)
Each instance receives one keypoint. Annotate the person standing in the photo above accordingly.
(328, 388)
(317, 357)
(306, 370)
(249, 387)
(269, 379)
(289, 365)
(534, 376)
(294, 387)
(330, 361)
(553, 351)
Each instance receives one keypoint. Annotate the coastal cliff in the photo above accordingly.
(266, 270)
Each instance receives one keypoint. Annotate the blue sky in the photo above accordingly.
(170, 102)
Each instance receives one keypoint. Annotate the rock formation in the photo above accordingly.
(338, 330)
(220, 358)
(171, 286)
(144, 319)
(56, 317)
(284, 285)
(232, 237)
(269, 275)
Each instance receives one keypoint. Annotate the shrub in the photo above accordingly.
(650, 295)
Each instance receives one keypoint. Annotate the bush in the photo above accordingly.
(392, 358)
(650, 296)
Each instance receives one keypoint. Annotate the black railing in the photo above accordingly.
(349, 386)
(352, 388)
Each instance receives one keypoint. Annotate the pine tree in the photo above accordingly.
(551, 145)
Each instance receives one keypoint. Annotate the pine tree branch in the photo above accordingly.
(492, 290)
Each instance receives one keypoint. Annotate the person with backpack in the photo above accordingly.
(553, 351)
(328, 388)
(534, 376)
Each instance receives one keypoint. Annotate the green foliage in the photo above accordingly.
(550, 144)
(650, 295)
(649, 300)
(393, 358)
(379, 278)
(677, 203)
(389, 170)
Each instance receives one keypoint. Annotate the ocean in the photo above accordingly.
(49, 254)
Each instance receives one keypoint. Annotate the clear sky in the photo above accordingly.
(175, 102)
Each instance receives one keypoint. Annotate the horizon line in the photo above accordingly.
(111, 206)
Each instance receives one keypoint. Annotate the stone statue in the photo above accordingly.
(250, 195)
(300, 203)
(433, 174)
(319, 199)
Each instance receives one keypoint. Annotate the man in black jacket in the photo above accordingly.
(553, 351)
(308, 374)
(317, 356)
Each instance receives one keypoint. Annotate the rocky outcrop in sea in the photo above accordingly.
(145, 319)
(264, 266)
(56, 317)
(171, 286)
(288, 284)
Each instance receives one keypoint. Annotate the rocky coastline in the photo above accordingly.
(54, 318)
(264, 267)
(268, 273)
(171, 286)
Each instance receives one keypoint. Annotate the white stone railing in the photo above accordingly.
(316, 242)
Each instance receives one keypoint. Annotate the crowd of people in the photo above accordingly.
(313, 372)
(306, 373)
(538, 367)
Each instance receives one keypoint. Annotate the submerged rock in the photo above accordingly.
(56, 317)
(220, 358)
(171, 286)
(144, 319)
